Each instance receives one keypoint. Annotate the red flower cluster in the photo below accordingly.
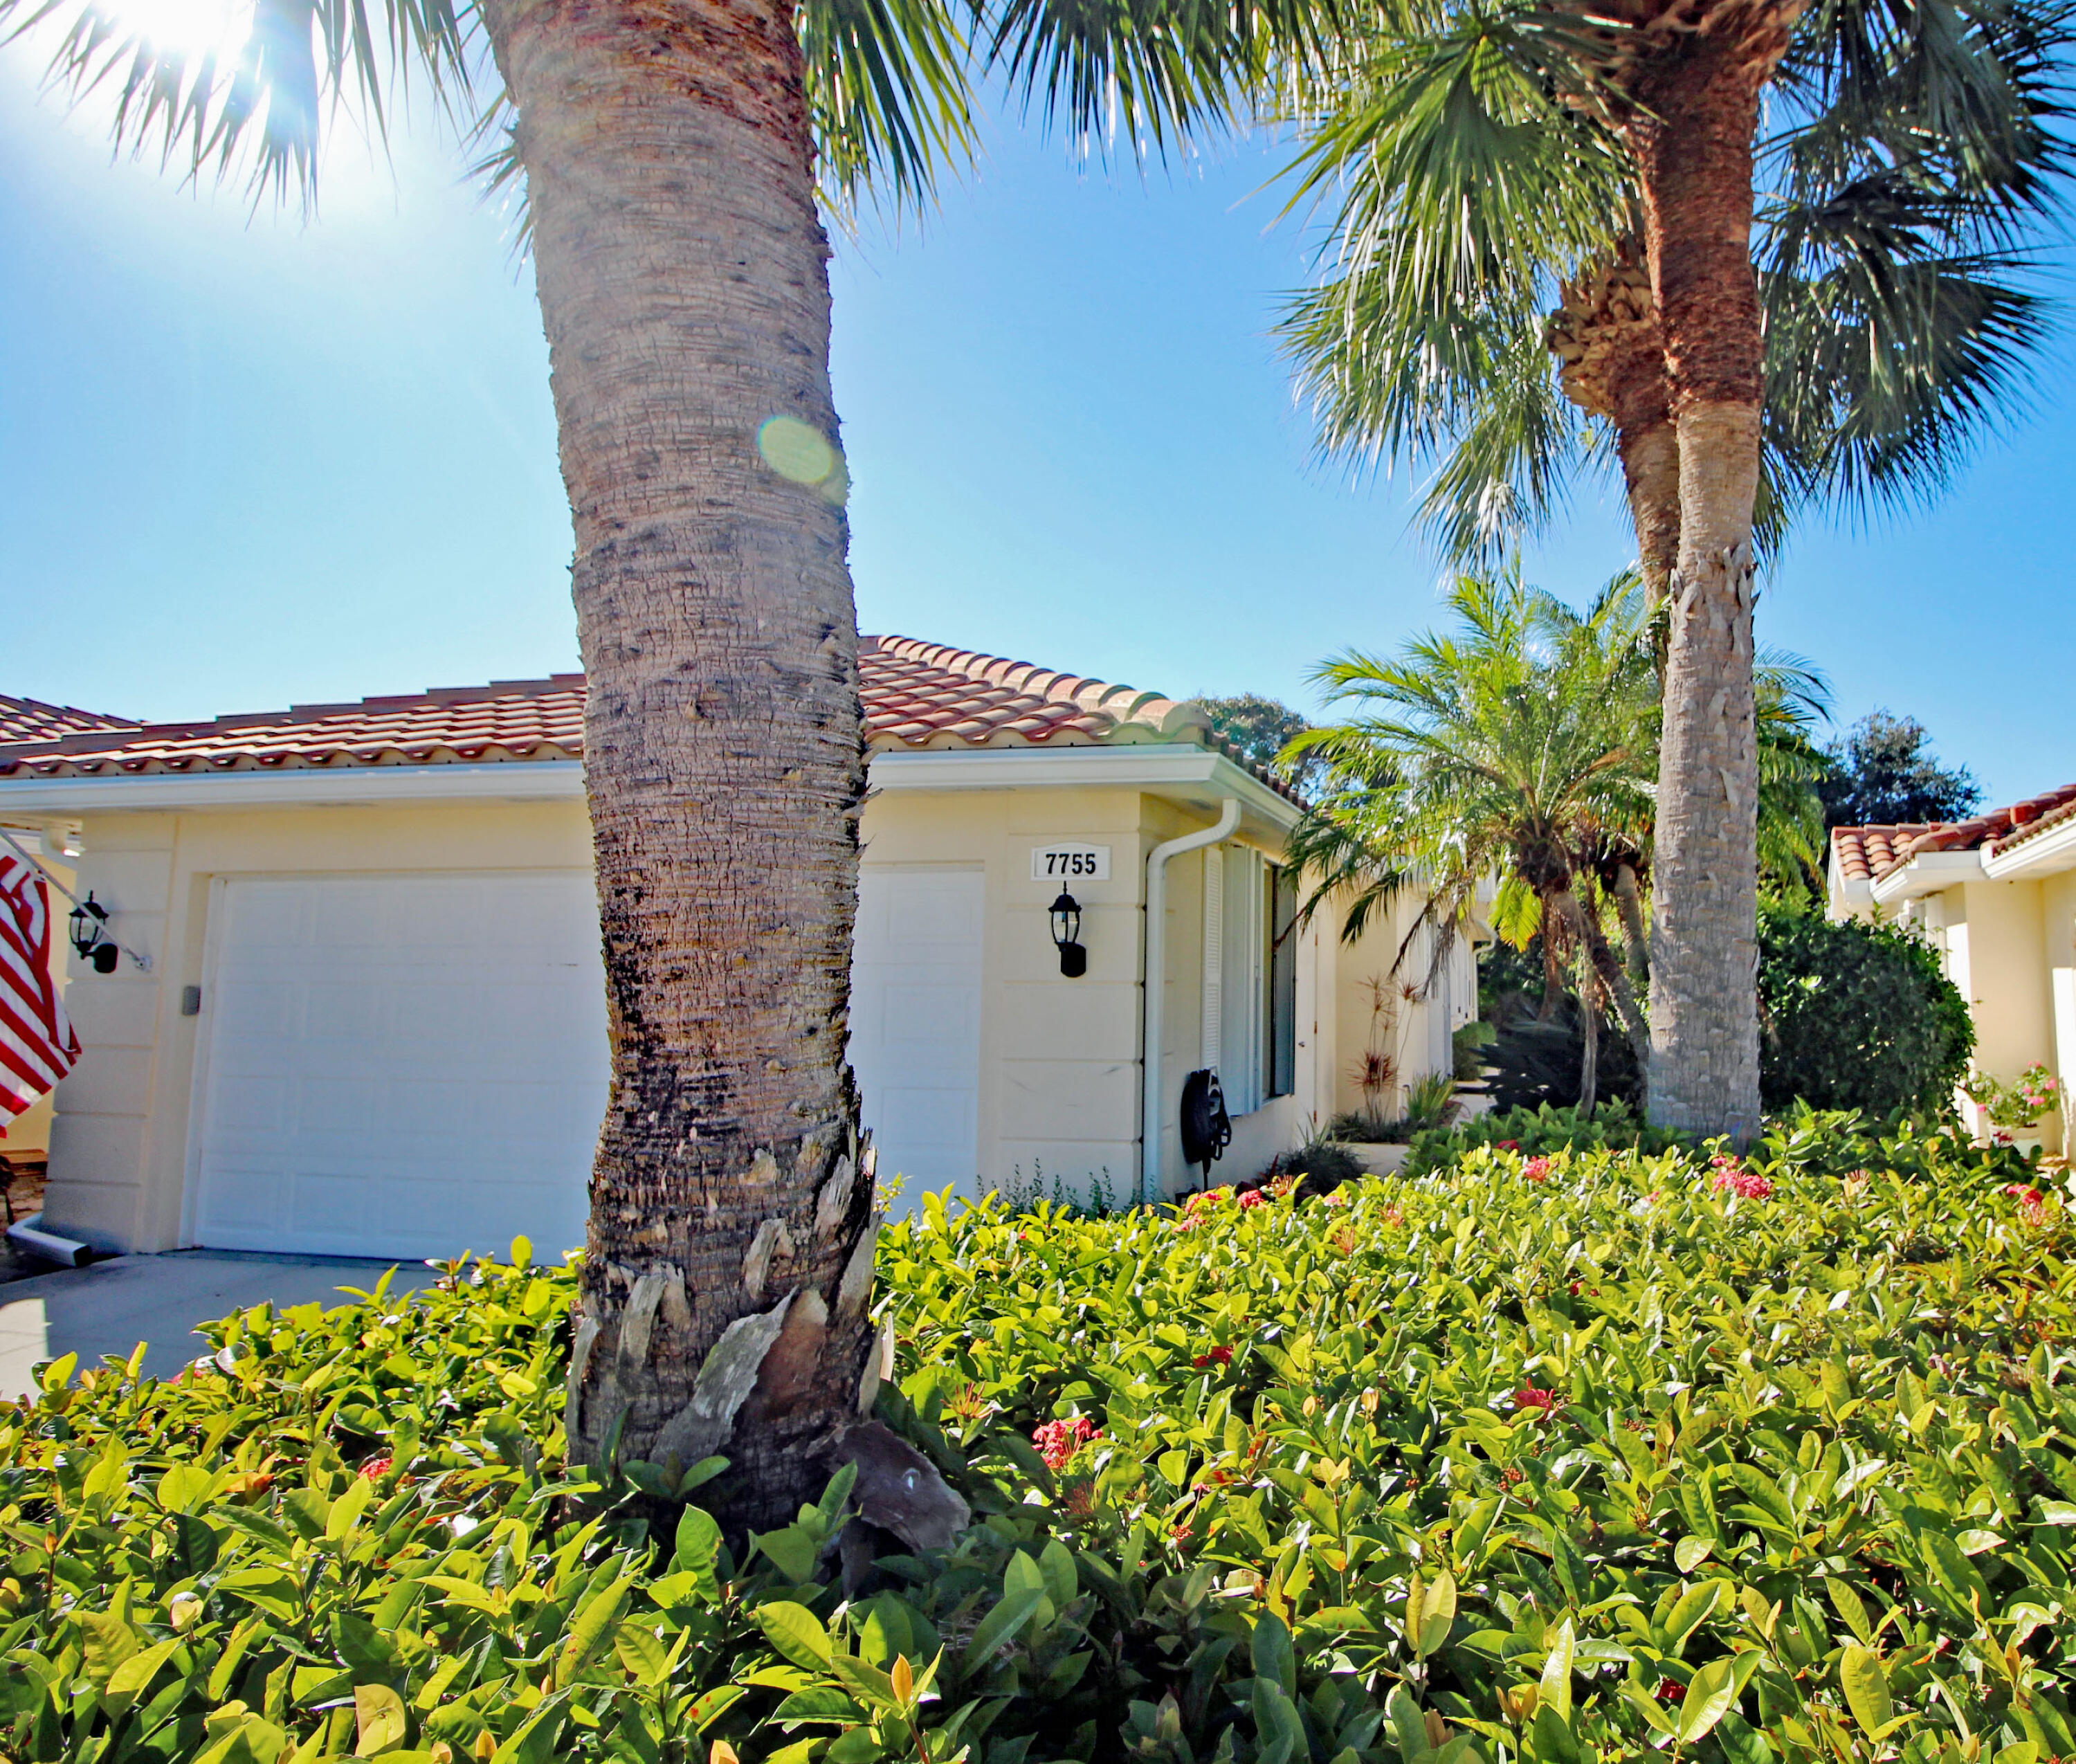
(2031, 1202)
(1058, 1441)
(1215, 1356)
(1748, 1185)
(1252, 1197)
(376, 1467)
(1541, 1404)
(1536, 1170)
(1506, 1145)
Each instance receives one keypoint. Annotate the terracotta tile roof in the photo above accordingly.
(31, 719)
(917, 695)
(2040, 822)
(922, 695)
(1868, 853)
(1862, 853)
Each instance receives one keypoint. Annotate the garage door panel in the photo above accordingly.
(915, 1013)
(401, 1066)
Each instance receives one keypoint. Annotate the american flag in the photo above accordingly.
(37, 1045)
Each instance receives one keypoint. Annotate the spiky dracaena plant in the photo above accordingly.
(1519, 750)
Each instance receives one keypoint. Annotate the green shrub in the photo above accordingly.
(1856, 1016)
(1538, 1131)
(1533, 1460)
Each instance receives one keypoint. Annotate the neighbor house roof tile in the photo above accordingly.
(1868, 853)
(31, 719)
(917, 696)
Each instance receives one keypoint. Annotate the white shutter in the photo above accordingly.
(1212, 1016)
(1245, 938)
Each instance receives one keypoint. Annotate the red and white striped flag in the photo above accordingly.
(37, 1045)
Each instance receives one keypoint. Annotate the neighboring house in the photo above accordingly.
(374, 1020)
(1996, 895)
(30, 719)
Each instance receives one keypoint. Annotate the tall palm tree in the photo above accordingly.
(1506, 146)
(673, 159)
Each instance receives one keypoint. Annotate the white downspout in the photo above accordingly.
(1153, 984)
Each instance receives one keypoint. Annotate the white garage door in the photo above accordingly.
(403, 1066)
(915, 1023)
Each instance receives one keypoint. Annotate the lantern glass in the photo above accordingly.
(86, 920)
(1066, 913)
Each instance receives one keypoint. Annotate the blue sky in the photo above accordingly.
(245, 462)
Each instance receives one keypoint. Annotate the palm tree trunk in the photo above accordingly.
(1577, 923)
(1612, 355)
(1636, 938)
(1615, 983)
(1691, 136)
(1650, 451)
(1589, 1045)
(681, 271)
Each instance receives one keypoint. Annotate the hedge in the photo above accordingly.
(1856, 1016)
(1557, 1457)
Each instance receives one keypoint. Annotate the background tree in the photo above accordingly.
(1263, 729)
(1884, 774)
(673, 160)
(1507, 136)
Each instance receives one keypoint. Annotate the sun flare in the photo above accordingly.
(190, 30)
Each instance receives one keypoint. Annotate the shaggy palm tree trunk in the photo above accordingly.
(1692, 139)
(681, 271)
(1650, 451)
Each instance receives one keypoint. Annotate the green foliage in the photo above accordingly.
(1909, 157)
(1884, 774)
(1540, 1130)
(1261, 729)
(1856, 1016)
(1504, 1461)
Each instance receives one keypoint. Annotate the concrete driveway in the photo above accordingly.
(108, 1307)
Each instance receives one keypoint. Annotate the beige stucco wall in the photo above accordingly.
(1387, 1007)
(1059, 1075)
(2006, 945)
(30, 1131)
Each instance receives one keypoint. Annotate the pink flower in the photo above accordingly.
(1529, 1401)
(1536, 1170)
(1058, 1441)
(1747, 1184)
(1252, 1197)
(376, 1467)
(1506, 1145)
(1214, 1356)
(2032, 1203)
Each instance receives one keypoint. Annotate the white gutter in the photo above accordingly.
(303, 786)
(2043, 854)
(1153, 984)
(1929, 872)
(1179, 770)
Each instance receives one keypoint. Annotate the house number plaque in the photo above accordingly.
(1068, 862)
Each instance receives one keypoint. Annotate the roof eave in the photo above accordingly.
(2042, 855)
(1181, 772)
(313, 787)
(1929, 872)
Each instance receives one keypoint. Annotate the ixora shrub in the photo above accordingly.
(1576, 1454)
(1856, 1016)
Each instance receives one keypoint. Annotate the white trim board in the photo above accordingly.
(1179, 770)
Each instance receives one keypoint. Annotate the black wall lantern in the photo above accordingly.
(89, 921)
(1066, 913)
